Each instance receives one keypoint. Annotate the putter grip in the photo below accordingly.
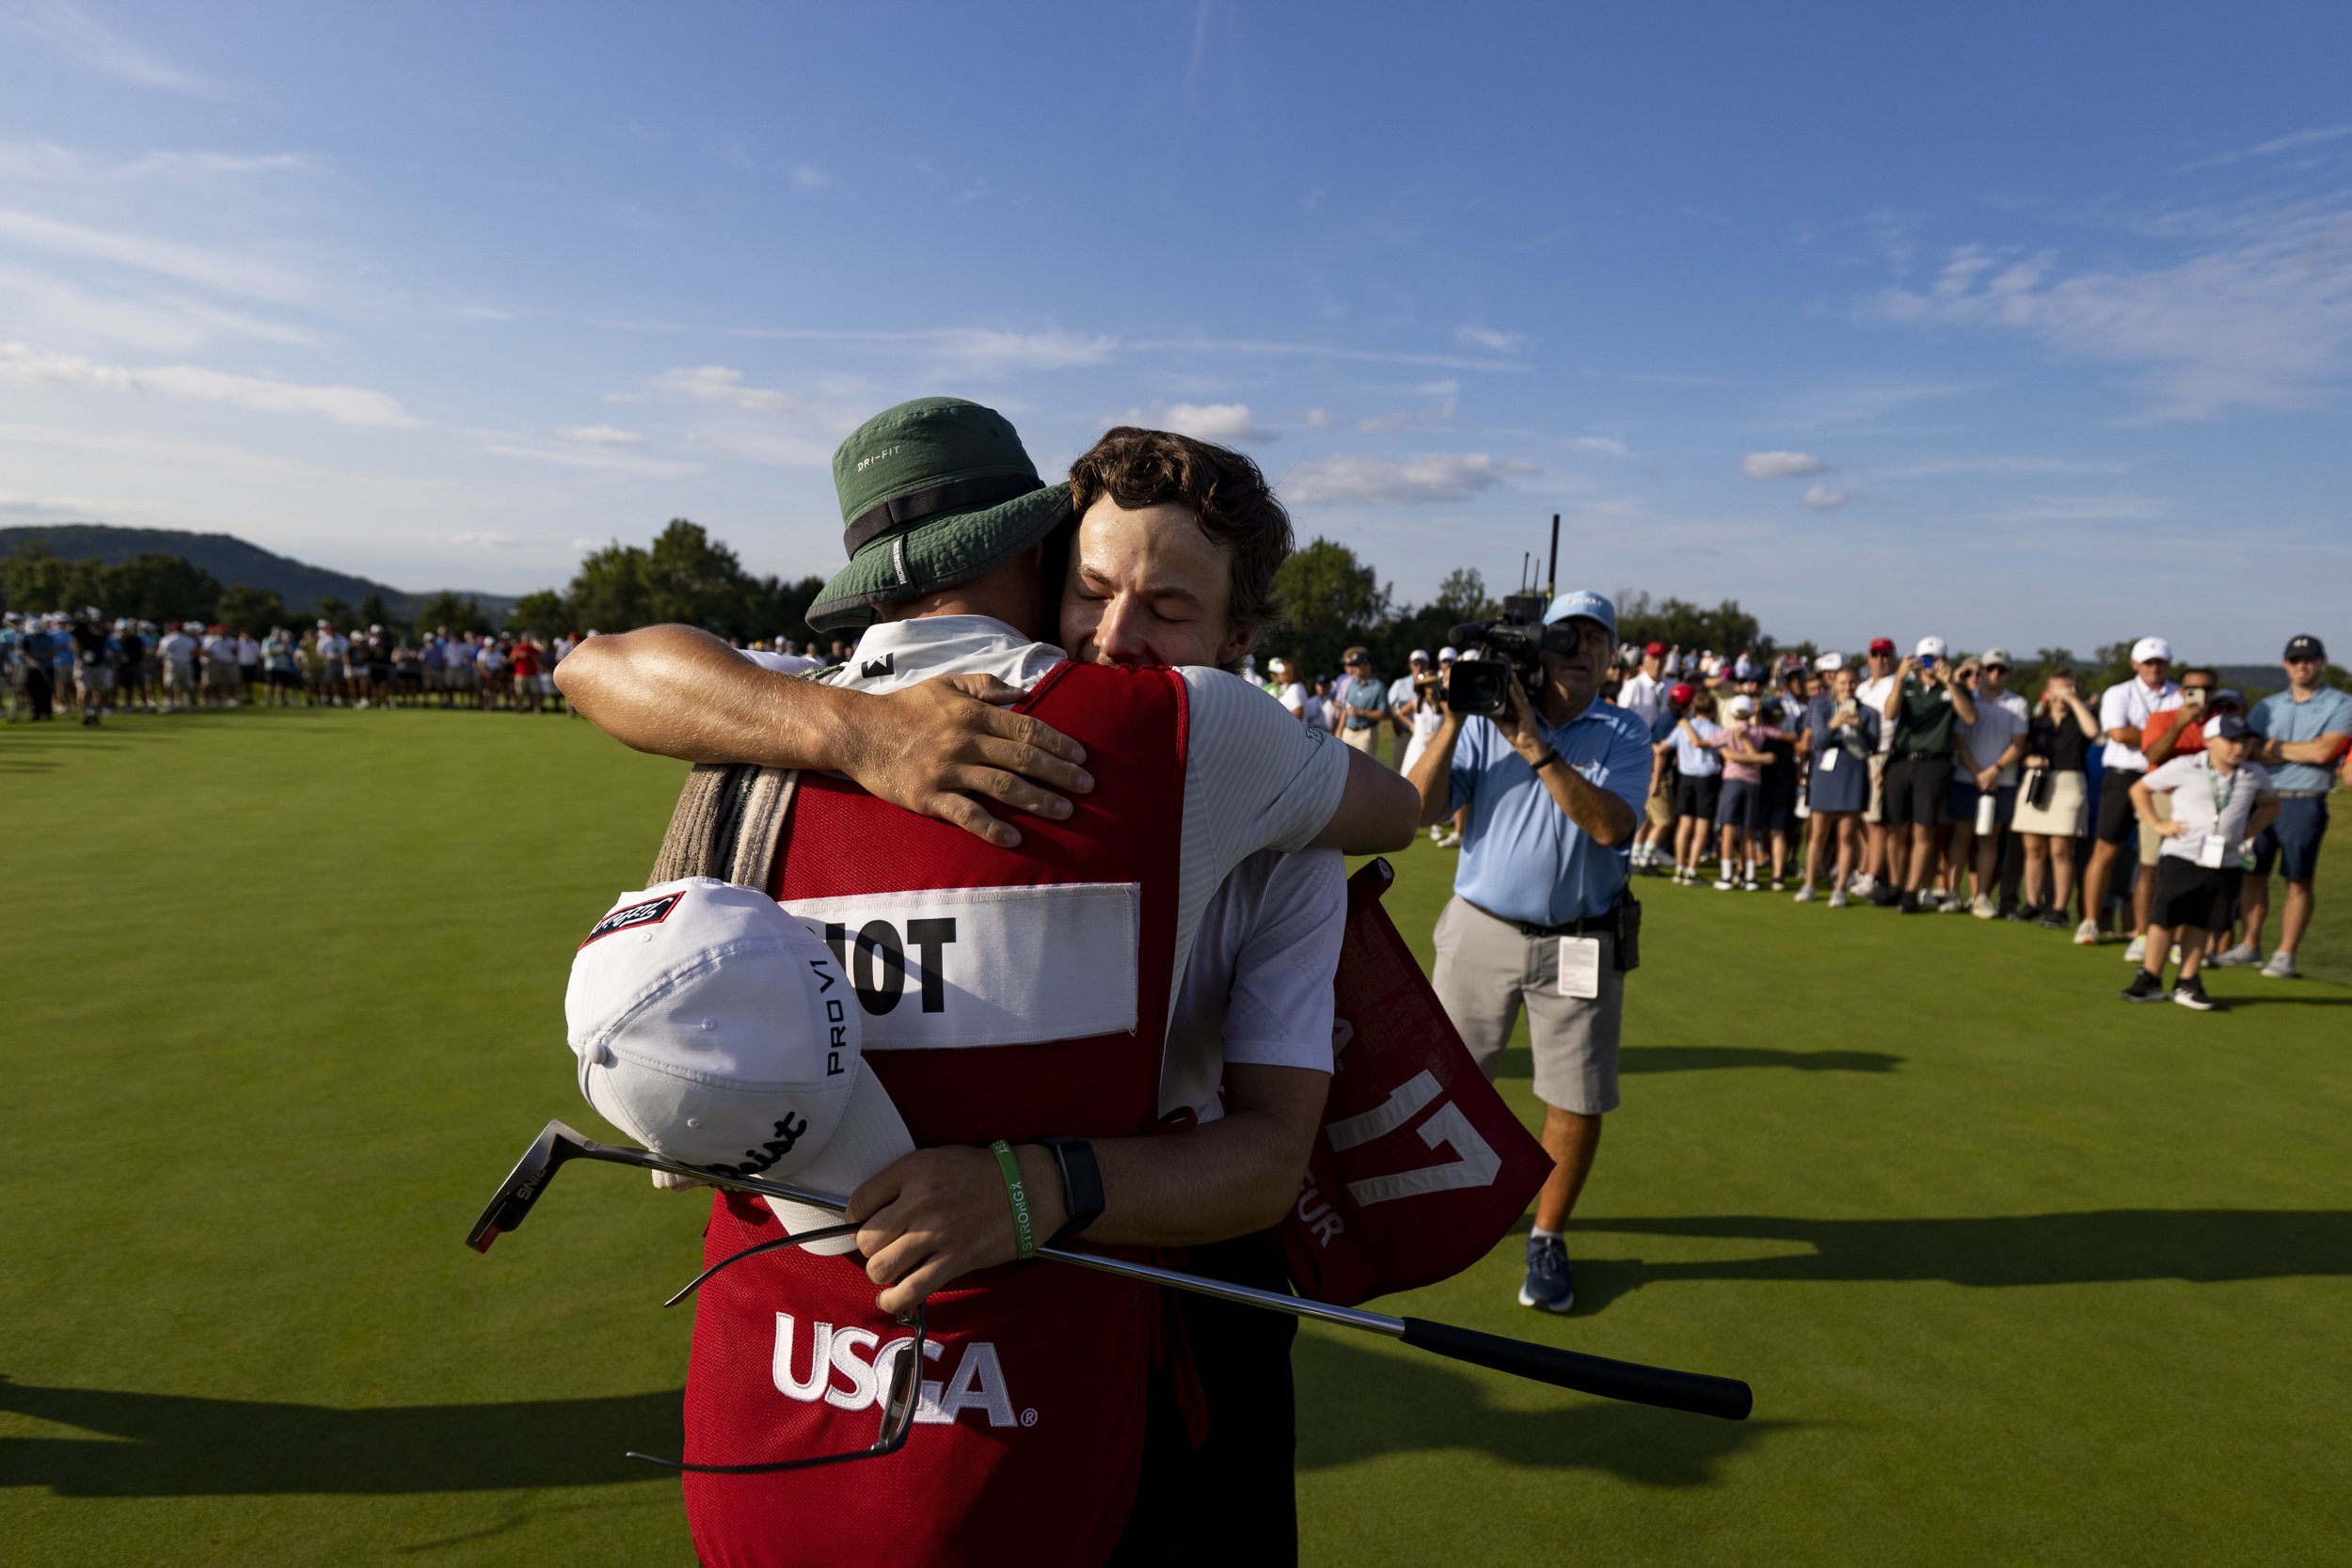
(1697, 1392)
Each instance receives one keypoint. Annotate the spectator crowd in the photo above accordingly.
(2154, 812)
(90, 666)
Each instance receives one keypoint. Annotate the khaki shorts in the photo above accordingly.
(1662, 810)
(1876, 812)
(1486, 967)
(1365, 740)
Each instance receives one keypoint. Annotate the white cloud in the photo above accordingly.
(1487, 338)
(92, 43)
(2292, 141)
(115, 447)
(2262, 319)
(600, 435)
(352, 405)
(486, 539)
(1781, 464)
(1937, 467)
(206, 268)
(2086, 509)
(807, 178)
(159, 324)
(1822, 498)
(1607, 446)
(1367, 480)
(971, 351)
(1227, 423)
(1318, 420)
(595, 460)
(723, 384)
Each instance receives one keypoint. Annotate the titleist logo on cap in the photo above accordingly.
(653, 912)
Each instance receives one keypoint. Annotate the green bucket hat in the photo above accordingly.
(933, 493)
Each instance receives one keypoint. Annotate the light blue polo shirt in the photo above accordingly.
(2279, 717)
(1522, 858)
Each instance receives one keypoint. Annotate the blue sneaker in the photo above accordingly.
(1550, 1283)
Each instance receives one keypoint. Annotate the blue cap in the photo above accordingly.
(1592, 607)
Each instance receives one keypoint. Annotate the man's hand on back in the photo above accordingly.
(935, 746)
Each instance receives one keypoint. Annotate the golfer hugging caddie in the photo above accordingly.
(1015, 1001)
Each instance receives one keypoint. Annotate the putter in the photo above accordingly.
(1697, 1393)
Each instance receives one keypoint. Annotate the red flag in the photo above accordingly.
(1419, 1167)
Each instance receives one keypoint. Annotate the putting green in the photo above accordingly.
(2020, 1273)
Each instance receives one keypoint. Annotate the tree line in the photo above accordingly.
(1333, 601)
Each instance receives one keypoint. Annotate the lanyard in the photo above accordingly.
(2221, 797)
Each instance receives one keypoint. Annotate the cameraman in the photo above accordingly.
(1540, 911)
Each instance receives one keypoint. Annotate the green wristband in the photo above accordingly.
(1024, 1232)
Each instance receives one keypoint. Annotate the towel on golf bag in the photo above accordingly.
(1420, 1166)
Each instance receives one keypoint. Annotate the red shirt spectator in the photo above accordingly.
(526, 661)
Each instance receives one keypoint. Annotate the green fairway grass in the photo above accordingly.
(2020, 1273)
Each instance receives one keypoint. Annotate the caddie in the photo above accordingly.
(1171, 562)
(1010, 993)
(1541, 913)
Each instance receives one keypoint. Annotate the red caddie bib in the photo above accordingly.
(1008, 994)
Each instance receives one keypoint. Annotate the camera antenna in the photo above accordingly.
(1552, 584)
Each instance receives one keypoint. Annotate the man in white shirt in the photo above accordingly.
(1288, 689)
(178, 651)
(1985, 754)
(2124, 711)
(1402, 700)
(332, 650)
(1644, 694)
(2220, 803)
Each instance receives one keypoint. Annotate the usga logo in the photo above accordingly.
(849, 1368)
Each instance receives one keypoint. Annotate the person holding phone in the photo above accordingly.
(2051, 799)
(1924, 705)
(1839, 739)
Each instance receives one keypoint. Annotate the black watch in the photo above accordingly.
(1081, 1183)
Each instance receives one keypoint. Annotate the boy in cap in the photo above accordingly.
(2220, 803)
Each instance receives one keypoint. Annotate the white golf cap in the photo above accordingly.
(717, 1030)
(1419, 655)
(1830, 662)
(1447, 656)
(1741, 706)
(1930, 647)
(2151, 647)
(1997, 656)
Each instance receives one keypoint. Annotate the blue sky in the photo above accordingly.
(2016, 324)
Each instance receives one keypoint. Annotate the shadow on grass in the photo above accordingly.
(1357, 1403)
(180, 1446)
(2202, 1246)
(1518, 1063)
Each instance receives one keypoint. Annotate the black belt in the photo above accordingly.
(1591, 925)
(1914, 756)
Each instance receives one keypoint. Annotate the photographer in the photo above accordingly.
(1554, 787)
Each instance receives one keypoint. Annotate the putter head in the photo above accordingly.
(511, 1203)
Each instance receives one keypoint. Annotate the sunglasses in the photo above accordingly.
(557, 1146)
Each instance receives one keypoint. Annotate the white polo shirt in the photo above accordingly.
(2129, 706)
(2206, 801)
(1644, 697)
(1254, 777)
(1872, 695)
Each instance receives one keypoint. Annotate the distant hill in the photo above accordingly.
(230, 559)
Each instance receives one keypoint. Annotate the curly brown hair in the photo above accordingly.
(1225, 490)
